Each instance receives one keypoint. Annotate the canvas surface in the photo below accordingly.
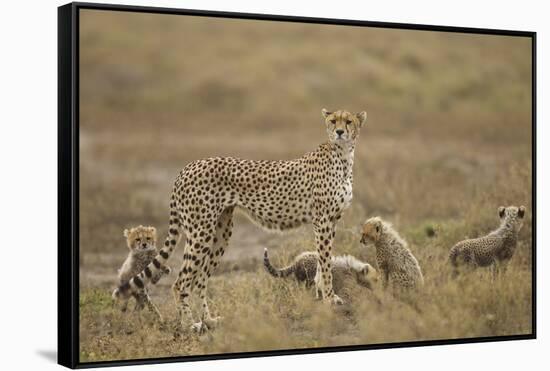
(447, 141)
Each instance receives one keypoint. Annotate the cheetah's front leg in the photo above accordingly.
(324, 235)
(385, 274)
(498, 269)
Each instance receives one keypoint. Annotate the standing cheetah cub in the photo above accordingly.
(304, 268)
(395, 260)
(496, 248)
(141, 242)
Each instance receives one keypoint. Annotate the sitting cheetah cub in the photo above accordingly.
(496, 248)
(304, 268)
(141, 242)
(396, 263)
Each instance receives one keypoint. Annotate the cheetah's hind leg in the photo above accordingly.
(192, 278)
(143, 299)
(220, 242)
(124, 306)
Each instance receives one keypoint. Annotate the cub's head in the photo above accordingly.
(343, 126)
(512, 216)
(371, 230)
(141, 238)
(367, 275)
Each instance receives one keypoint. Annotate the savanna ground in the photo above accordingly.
(447, 140)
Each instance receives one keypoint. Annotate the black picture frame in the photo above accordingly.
(68, 180)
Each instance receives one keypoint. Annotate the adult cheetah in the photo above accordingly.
(396, 263)
(495, 249)
(277, 195)
(304, 268)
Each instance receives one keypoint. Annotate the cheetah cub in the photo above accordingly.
(398, 266)
(304, 268)
(141, 242)
(495, 249)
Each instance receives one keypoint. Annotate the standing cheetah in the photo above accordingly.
(304, 268)
(277, 195)
(395, 260)
(495, 249)
(141, 242)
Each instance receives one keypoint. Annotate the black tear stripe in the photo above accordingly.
(164, 254)
(156, 263)
(148, 272)
(138, 282)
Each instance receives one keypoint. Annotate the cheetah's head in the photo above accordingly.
(367, 275)
(371, 231)
(141, 238)
(512, 216)
(343, 126)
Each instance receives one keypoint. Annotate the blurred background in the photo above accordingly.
(447, 138)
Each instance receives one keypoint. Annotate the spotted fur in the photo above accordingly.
(278, 195)
(397, 265)
(496, 248)
(304, 268)
(141, 242)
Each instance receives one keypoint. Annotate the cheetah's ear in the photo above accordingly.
(521, 211)
(362, 117)
(378, 224)
(126, 233)
(501, 211)
(325, 113)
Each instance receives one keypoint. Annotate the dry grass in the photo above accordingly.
(448, 140)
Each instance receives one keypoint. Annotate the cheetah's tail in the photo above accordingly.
(283, 272)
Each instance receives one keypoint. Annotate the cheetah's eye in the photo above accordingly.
(348, 122)
(333, 121)
(138, 239)
(148, 238)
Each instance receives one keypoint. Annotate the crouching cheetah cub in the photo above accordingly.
(141, 242)
(304, 268)
(396, 263)
(495, 249)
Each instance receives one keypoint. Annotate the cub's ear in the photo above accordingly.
(325, 113)
(126, 233)
(152, 230)
(521, 211)
(501, 211)
(378, 224)
(362, 117)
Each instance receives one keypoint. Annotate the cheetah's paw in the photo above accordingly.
(337, 300)
(199, 327)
